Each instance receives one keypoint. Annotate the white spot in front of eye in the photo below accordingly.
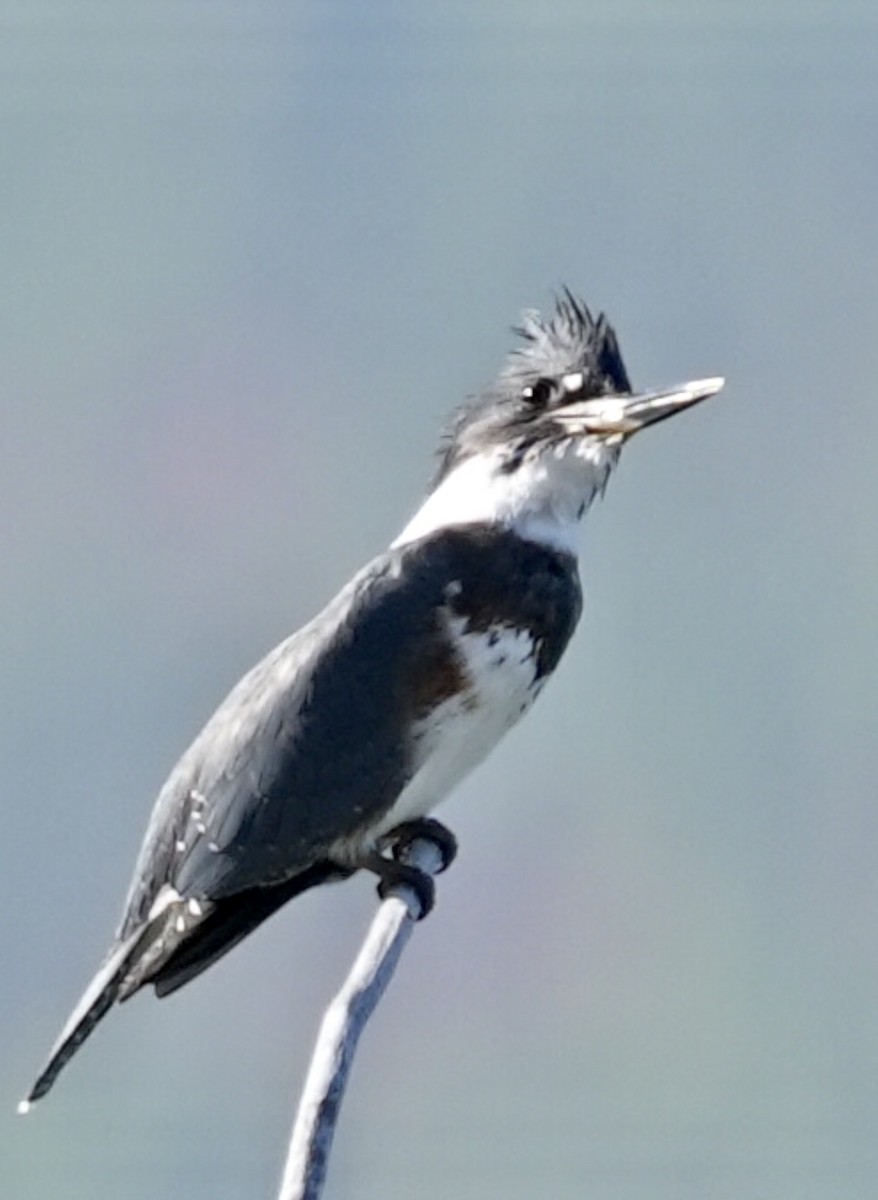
(572, 382)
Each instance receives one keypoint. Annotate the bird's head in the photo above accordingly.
(538, 445)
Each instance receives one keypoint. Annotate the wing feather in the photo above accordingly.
(303, 751)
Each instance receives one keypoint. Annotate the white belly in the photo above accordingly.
(501, 666)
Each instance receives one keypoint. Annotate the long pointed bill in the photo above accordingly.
(627, 414)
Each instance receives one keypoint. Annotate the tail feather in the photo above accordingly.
(228, 921)
(180, 940)
(96, 1000)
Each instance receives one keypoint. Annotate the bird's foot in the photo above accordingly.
(399, 872)
(426, 829)
(393, 874)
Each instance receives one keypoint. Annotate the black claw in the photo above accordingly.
(397, 874)
(428, 829)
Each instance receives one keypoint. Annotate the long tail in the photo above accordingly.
(168, 954)
(96, 1000)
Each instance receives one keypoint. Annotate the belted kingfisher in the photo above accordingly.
(336, 746)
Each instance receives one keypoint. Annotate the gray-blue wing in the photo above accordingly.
(304, 750)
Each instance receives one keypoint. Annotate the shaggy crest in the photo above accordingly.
(570, 340)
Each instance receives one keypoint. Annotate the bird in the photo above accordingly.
(332, 752)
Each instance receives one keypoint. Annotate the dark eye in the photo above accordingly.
(538, 394)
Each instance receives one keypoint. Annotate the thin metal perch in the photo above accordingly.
(343, 1022)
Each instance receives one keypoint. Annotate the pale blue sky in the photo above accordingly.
(253, 254)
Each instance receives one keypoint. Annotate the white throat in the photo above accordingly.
(543, 499)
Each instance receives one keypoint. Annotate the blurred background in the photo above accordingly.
(253, 253)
